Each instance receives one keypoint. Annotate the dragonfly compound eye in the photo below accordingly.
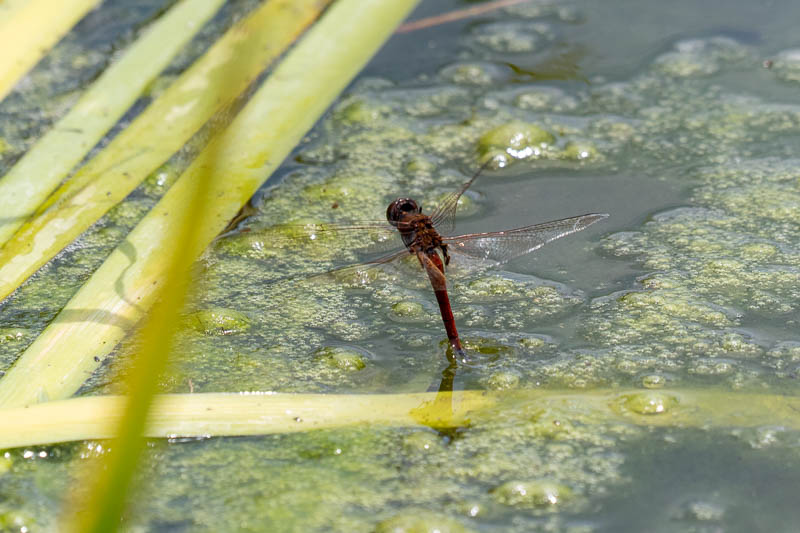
(400, 208)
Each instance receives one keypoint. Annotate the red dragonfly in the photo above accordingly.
(426, 237)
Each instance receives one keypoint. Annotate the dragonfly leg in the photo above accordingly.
(445, 254)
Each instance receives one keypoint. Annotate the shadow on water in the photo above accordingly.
(448, 377)
(129, 251)
(561, 66)
(442, 405)
(106, 317)
(89, 315)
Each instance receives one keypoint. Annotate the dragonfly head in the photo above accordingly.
(401, 208)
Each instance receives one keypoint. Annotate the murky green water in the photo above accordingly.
(661, 114)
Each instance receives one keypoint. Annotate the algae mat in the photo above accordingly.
(682, 123)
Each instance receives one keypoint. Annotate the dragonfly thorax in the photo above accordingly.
(419, 234)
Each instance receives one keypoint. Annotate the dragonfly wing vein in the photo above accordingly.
(503, 246)
(444, 216)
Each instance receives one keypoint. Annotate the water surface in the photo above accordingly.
(691, 283)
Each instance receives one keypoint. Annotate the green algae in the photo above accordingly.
(502, 381)
(531, 344)
(11, 334)
(416, 521)
(552, 425)
(702, 57)
(421, 441)
(513, 37)
(486, 346)
(649, 403)
(350, 191)
(160, 180)
(545, 99)
(653, 381)
(218, 321)
(491, 287)
(786, 65)
(580, 150)
(731, 255)
(17, 521)
(288, 324)
(409, 311)
(709, 271)
(5, 464)
(359, 111)
(516, 140)
(534, 493)
(471, 73)
(341, 358)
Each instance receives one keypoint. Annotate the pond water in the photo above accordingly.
(679, 119)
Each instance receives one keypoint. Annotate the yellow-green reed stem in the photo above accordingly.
(276, 118)
(8, 10)
(220, 414)
(191, 233)
(48, 162)
(157, 133)
(102, 509)
(30, 31)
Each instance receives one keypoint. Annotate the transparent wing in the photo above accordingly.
(435, 276)
(366, 238)
(444, 217)
(503, 246)
(359, 274)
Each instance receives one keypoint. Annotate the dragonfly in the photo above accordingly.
(427, 237)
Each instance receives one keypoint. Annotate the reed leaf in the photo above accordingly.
(49, 161)
(103, 508)
(221, 414)
(9, 9)
(299, 90)
(106, 500)
(158, 132)
(30, 30)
